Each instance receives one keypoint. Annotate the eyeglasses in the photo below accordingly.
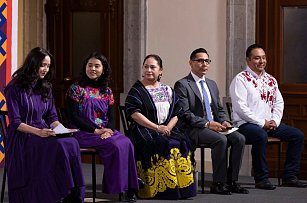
(202, 61)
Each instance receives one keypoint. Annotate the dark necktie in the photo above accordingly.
(206, 101)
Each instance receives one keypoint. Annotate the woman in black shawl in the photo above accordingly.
(162, 152)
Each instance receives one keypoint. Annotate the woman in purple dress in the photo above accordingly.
(90, 106)
(163, 153)
(40, 166)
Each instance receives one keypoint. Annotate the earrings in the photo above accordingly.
(159, 77)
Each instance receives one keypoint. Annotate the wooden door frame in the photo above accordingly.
(59, 24)
(269, 32)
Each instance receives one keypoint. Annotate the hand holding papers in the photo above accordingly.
(60, 129)
(225, 128)
(231, 130)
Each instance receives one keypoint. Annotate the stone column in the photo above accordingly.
(135, 13)
(34, 25)
(240, 34)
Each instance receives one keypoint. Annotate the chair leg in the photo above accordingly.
(279, 152)
(94, 175)
(202, 169)
(3, 184)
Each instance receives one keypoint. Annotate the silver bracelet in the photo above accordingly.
(157, 127)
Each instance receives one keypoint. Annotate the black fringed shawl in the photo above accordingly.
(149, 143)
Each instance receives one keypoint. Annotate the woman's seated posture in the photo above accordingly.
(40, 166)
(162, 151)
(90, 106)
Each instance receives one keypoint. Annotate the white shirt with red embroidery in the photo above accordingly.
(255, 98)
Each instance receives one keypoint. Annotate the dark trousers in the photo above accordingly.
(257, 136)
(219, 143)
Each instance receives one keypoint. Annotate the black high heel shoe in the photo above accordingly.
(73, 197)
(128, 196)
(121, 196)
(141, 183)
(131, 196)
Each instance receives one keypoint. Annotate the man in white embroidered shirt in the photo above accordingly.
(257, 110)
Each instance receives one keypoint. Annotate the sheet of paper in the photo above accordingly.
(60, 129)
(229, 131)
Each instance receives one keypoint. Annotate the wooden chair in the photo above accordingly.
(271, 140)
(124, 120)
(3, 131)
(202, 165)
(62, 115)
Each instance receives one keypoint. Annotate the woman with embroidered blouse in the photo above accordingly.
(90, 106)
(162, 152)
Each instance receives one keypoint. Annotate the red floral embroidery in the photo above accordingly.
(265, 85)
(111, 97)
(271, 82)
(97, 114)
(268, 96)
(263, 96)
(271, 98)
(247, 76)
(255, 84)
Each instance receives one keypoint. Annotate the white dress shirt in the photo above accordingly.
(255, 98)
(197, 80)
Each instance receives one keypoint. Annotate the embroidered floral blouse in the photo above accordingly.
(162, 97)
(90, 107)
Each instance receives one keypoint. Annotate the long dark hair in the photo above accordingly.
(27, 74)
(103, 80)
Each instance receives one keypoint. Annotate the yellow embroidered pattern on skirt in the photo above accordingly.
(172, 173)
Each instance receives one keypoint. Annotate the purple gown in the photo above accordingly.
(116, 152)
(39, 169)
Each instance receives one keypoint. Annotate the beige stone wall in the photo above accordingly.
(176, 27)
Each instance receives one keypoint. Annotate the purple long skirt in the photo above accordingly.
(42, 169)
(117, 156)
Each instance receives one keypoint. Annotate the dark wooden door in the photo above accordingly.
(77, 27)
(282, 29)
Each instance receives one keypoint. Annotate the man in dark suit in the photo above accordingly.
(204, 120)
